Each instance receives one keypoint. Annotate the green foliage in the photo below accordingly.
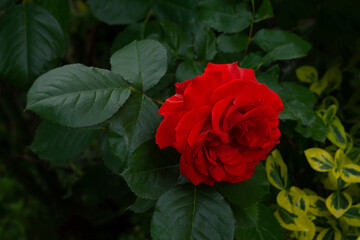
(98, 125)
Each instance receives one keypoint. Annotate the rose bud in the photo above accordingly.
(223, 123)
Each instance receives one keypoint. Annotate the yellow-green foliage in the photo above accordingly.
(309, 216)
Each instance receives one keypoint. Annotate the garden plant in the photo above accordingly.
(180, 119)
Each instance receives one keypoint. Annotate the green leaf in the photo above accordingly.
(256, 223)
(205, 44)
(60, 9)
(192, 212)
(280, 45)
(316, 130)
(232, 43)
(77, 96)
(264, 12)
(354, 155)
(307, 74)
(336, 133)
(151, 172)
(119, 11)
(295, 221)
(111, 161)
(293, 91)
(177, 40)
(224, 16)
(188, 70)
(6, 3)
(31, 41)
(142, 63)
(295, 110)
(129, 34)
(254, 189)
(142, 205)
(57, 143)
(276, 170)
(319, 159)
(317, 206)
(338, 203)
(135, 123)
(181, 12)
(253, 60)
(352, 216)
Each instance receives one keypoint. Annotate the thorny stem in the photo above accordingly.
(251, 26)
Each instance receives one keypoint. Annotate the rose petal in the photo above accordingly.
(217, 172)
(216, 113)
(165, 134)
(187, 122)
(199, 90)
(172, 104)
(188, 170)
(201, 164)
(238, 169)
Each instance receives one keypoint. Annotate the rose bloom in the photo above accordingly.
(222, 122)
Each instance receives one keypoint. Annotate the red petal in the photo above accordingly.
(199, 90)
(172, 104)
(238, 169)
(216, 114)
(187, 169)
(217, 172)
(165, 134)
(187, 122)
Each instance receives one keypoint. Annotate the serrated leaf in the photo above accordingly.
(265, 11)
(181, 12)
(192, 212)
(135, 123)
(142, 63)
(177, 40)
(296, 110)
(336, 133)
(232, 43)
(319, 159)
(352, 216)
(317, 206)
(119, 11)
(253, 60)
(254, 189)
(150, 171)
(224, 16)
(142, 205)
(31, 41)
(316, 131)
(338, 203)
(57, 143)
(188, 70)
(205, 44)
(60, 9)
(293, 91)
(111, 161)
(329, 234)
(276, 170)
(280, 45)
(77, 96)
(307, 74)
(256, 223)
(351, 173)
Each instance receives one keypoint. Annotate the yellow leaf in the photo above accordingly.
(319, 159)
(317, 206)
(307, 74)
(333, 78)
(318, 87)
(284, 200)
(299, 198)
(328, 101)
(351, 173)
(349, 143)
(276, 170)
(328, 233)
(339, 161)
(338, 203)
(330, 113)
(336, 133)
(352, 216)
(295, 221)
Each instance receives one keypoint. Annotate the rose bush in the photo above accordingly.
(223, 123)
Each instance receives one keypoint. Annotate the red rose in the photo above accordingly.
(222, 122)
